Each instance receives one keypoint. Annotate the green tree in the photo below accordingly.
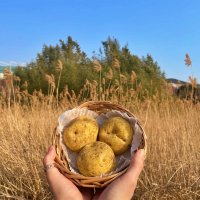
(77, 67)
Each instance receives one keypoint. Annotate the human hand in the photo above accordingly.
(61, 187)
(121, 188)
(124, 186)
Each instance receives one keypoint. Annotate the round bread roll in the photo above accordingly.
(96, 159)
(81, 131)
(117, 133)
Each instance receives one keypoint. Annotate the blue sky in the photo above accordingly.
(165, 29)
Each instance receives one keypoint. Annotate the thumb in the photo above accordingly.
(58, 182)
(48, 161)
(135, 167)
(50, 156)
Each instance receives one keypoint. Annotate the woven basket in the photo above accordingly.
(62, 163)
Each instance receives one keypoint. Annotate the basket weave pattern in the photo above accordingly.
(61, 162)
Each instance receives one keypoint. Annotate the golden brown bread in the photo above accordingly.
(96, 159)
(117, 133)
(81, 131)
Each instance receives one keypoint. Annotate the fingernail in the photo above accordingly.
(50, 148)
(141, 152)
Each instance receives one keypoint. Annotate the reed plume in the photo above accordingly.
(98, 68)
(187, 60)
(59, 69)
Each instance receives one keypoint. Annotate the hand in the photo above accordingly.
(122, 188)
(61, 187)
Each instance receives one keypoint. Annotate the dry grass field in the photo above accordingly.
(172, 167)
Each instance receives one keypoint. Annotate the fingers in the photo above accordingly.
(48, 161)
(135, 167)
(50, 156)
(137, 163)
(61, 187)
(54, 177)
(124, 186)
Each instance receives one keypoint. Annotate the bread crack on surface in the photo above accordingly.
(117, 133)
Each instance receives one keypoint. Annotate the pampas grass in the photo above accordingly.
(172, 166)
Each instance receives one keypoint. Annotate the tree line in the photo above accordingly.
(112, 65)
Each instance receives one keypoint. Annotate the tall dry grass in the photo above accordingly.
(172, 167)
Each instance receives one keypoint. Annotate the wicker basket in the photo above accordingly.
(62, 163)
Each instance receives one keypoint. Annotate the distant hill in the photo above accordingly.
(176, 81)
